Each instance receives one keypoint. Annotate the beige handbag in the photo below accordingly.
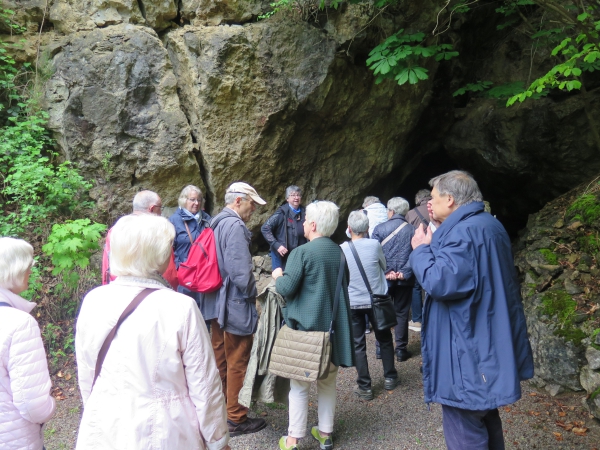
(305, 355)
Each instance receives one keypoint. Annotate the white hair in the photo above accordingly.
(190, 188)
(358, 222)
(370, 200)
(325, 215)
(231, 196)
(398, 205)
(16, 257)
(460, 185)
(143, 200)
(140, 245)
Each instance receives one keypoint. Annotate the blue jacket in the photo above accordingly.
(474, 339)
(398, 249)
(182, 244)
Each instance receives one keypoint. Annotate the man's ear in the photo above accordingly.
(451, 203)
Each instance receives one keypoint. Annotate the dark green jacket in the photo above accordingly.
(308, 286)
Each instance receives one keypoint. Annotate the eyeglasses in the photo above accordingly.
(193, 200)
(296, 195)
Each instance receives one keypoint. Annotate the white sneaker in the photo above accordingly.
(414, 326)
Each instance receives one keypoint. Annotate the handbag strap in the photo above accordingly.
(425, 221)
(338, 289)
(188, 232)
(106, 345)
(361, 269)
(394, 233)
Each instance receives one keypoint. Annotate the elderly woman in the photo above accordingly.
(308, 285)
(25, 401)
(189, 221)
(284, 230)
(158, 386)
(372, 259)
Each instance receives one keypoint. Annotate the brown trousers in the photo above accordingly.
(232, 353)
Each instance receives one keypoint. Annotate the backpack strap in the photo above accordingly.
(393, 233)
(6, 304)
(425, 221)
(106, 345)
(188, 232)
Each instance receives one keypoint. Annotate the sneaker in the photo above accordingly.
(283, 446)
(368, 331)
(325, 442)
(365, 394)
(415, 326)
(389, 384)
(247, 427)
(402, 355)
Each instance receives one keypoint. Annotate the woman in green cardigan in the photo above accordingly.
(308, 285)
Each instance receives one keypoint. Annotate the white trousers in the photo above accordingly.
(299, 404)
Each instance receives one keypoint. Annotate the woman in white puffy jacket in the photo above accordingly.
(25, 400)
(158, 387)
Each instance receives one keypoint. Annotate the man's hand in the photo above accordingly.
(277, 273)
(399, 276)
(282, 250)
(422, 237)
(390, 276)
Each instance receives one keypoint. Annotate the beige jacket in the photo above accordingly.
(159, 387)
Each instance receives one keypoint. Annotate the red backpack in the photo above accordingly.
(200, 273)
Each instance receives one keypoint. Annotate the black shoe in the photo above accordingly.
(365, 394)
(402, 355)
(377, 352)
(389, 384)
(247, 427)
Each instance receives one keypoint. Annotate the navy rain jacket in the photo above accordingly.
(474, 339)
(182, 244)
(397, 249)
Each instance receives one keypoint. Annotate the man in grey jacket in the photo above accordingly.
(232, 330)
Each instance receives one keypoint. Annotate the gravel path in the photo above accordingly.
(395, 420)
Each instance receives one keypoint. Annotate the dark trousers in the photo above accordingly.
(472, 430)
(277, 261)
(360, 348)
(402, 296)
(416, 305)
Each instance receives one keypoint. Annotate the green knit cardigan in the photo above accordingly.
(308, 286)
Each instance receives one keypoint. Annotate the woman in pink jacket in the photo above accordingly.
(25, 401)
(159, 387)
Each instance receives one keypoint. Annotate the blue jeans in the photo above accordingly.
(416, 306)
(277, 261)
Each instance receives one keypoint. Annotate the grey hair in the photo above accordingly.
(368, 201)
(422, 194)
(143, 200)
(398, 205)
(231, 196)
(358, 222)
(291, 189)
(325, 215)
(460, 185)
(187, 191)
(16, 256)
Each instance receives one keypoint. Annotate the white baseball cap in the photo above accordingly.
(245, 188)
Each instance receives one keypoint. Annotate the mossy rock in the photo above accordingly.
(560, 304)
(549, 256)
(586, 208)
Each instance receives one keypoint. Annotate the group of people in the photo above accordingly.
(172, 373)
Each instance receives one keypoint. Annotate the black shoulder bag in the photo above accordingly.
(383, 305)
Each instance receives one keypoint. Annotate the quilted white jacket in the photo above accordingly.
(25, 400)
(159, 387)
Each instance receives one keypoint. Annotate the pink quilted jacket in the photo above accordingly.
(25, 401)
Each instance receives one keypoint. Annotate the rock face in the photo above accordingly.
(558, 257)
(272, 104)
(114, 109)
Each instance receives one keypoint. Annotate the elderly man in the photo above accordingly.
(232, 330)
(144, 202)
(394, 236)
(474, 340)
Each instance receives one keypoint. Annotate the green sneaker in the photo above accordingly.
(325, 442)
(283, 446)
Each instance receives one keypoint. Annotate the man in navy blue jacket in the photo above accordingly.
(474, 337)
